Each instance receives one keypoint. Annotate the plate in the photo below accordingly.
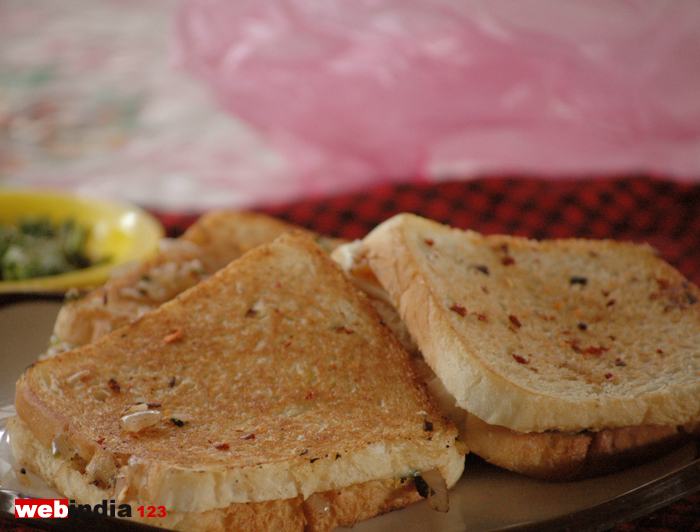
(118, 233)
(486, 499)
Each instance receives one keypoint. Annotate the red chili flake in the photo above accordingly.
(609, 376)
(507, 260)
(250, 313)
(459, 309)
(174, 335)
(278, 285)
(592, 350)
(663, 283)
(610, 303)
(287, 344)
(100, 441)
(429, 241)
(344, 329)
(660, 351)
(480, 317)
(309, 394)
(514, 320)
(485, 289)
(620, 363)
(605, 293)
(250, 436)
(520, 359)
(224, 446)
(114, 386)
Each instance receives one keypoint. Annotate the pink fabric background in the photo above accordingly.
(386, 89)
(272, 101)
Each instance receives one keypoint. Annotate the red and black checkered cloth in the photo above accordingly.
(662, 213)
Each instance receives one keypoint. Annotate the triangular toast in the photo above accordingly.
(263, 390)
(210, 243)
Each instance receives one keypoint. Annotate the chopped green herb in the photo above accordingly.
(37, 247)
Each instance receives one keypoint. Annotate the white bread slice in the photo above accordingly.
(287, 381)
(209, 244)
(320, 512)
(565, 335)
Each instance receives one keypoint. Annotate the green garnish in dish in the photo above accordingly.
(37, 247)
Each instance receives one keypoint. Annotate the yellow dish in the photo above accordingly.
(119, 234)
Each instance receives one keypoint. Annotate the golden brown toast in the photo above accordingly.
(208, 245)
(274, 379)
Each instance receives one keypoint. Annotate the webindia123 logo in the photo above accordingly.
(63, 508)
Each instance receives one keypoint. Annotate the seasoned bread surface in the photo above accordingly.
(208, 245)
(566, 335)
(275, 378)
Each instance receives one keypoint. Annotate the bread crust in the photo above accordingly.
(634, 361)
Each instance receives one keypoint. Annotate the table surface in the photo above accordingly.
(638, 208)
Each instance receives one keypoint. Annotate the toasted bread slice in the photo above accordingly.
(273, 380)
(213, 241)
(573, 336)
(321, 511)
(350, 258)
